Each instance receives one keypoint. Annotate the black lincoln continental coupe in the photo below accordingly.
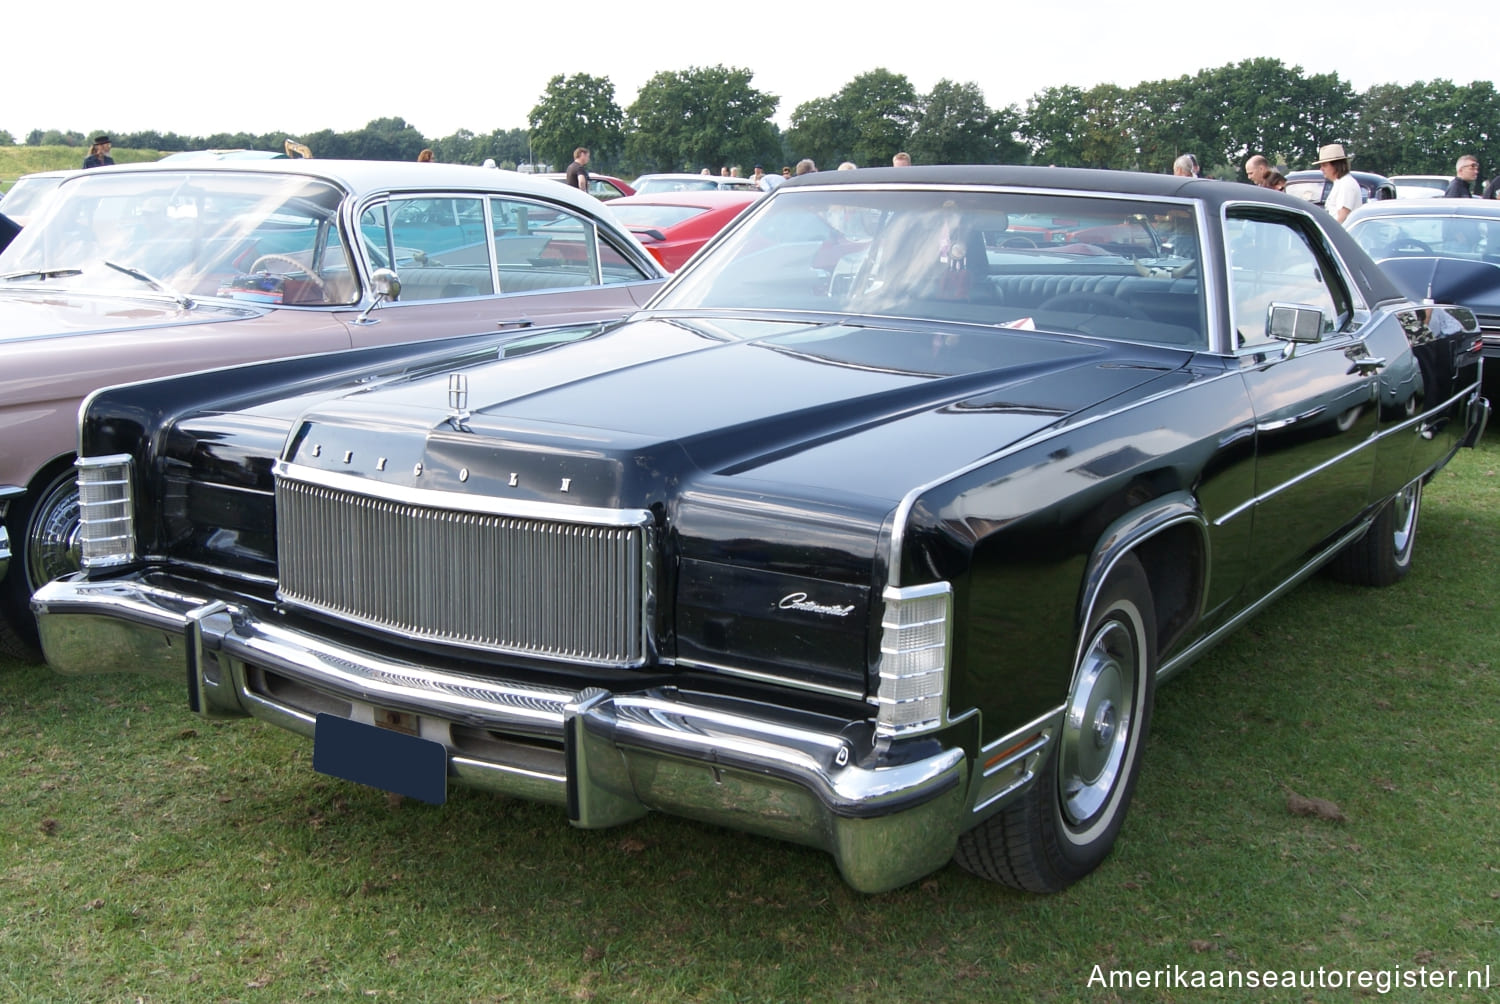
(874, 531)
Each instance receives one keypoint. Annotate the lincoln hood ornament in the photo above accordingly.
(458, 399)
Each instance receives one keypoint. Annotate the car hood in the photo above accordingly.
(27, 314)
(631, 415)
(1473, 284)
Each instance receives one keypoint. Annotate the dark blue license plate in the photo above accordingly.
(381, 758)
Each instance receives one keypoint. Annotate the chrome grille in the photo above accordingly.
(457, 569)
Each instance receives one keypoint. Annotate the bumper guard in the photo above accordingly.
(606, 757)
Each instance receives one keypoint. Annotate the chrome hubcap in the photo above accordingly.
(1104, 726)
(53, 545)
(1096, 728)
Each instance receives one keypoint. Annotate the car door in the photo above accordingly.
(1315, 402)
(526, 262)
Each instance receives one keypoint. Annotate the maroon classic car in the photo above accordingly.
(674, 225)
(141, 271)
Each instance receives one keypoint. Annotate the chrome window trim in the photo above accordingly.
(356, 209)
(1213, 278)
(1361, 314)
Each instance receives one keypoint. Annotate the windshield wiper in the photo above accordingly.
(182, 300)
(42, 273)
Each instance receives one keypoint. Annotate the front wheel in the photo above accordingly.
(45, 541)
(1065, 824)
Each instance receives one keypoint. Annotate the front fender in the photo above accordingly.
(1169, 534)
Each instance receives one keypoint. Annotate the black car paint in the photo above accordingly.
(801, 457)
(723, 489)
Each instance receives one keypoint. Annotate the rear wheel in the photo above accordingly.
(1382, 555)
(44, 529)
(1065, 824)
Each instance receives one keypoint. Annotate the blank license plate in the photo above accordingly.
(381, 758)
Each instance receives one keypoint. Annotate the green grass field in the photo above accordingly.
(151, 856)
(18, 160)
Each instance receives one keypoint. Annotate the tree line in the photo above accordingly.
(715, 116)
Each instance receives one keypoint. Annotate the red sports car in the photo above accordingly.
(673, 225)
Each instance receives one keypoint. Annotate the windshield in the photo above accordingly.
(265, 238)
(1108, 267)
(651, 186)
(27, 196)
(1439, 234)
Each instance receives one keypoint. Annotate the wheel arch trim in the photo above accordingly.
(1126, 535)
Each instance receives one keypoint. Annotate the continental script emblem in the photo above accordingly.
(799, 601)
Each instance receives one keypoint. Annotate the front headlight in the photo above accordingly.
(915, 645)
(106, 511)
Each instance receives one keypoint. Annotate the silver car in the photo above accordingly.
(140, 271)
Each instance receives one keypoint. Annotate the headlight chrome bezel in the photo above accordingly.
(106, 510)
(916, 648)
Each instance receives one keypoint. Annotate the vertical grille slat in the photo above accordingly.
(522, 584)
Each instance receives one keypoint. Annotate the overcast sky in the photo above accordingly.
(199, 68)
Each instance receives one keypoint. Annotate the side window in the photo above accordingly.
(440, 247)
(542, 247)
(615, 267)
(1272, 261)
(375, 233)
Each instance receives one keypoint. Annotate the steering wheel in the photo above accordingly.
(1018, 242)
(1406, 245)
(1093, 303)
(317, 280)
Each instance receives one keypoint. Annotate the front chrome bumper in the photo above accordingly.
(606, 757)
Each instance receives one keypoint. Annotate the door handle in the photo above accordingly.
(1367, 365)
(522, 322)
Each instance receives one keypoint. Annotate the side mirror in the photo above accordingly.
(386, 285)
(1294, 322)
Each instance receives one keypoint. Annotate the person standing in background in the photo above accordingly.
(98, 154)
(578, 171)
(1256, 169)
(1466, 172)
(1344, 196)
